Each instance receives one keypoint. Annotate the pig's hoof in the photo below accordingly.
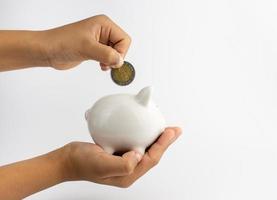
(141, 150)
(109, 150)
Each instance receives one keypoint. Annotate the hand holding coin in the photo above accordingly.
(123, 75)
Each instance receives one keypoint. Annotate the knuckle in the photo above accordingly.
(155, 161)
(128, 38)
(72, 146)
(128, 168)
(124, 184)
(103, 17)
(98, 18)
(110, 57)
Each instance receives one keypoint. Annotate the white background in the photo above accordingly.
(214, 68)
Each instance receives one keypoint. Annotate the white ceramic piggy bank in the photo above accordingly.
(124, 122)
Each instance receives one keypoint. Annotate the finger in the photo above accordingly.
(120, 39)
(105, 68)
(102, 65)
(104, 54)
(120, 165)
(112, 35)
(178, 130)
(158, 148)
(122, 46)
(150, 159)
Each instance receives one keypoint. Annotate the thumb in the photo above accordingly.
(106, 55)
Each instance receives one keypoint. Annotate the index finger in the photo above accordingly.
(120, 39)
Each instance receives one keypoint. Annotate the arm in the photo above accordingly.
(96, 38)
(21, 49)
(80, 161)
(23, 178)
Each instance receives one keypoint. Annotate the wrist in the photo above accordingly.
(68, 170)
(60, 163)
(38, 48)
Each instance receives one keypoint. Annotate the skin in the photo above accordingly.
(96, 38)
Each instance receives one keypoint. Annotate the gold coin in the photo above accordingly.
(123, 75)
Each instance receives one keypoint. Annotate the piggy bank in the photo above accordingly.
(124, 122)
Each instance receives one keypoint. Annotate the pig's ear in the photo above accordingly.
(86, 114)
(144, 96)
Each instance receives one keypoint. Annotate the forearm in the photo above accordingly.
(21, 49)
(24, 178)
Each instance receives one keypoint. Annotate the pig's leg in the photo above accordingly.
(141, 150)
(109, 150)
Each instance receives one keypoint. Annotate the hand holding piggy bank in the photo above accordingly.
(124, 122)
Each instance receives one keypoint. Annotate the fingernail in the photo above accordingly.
(138, 156)
(105, 68)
